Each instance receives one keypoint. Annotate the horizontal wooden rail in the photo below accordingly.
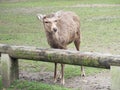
(11, 54)
(91, 59)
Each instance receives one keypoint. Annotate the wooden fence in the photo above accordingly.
(11, 54)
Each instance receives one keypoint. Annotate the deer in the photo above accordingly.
(61, 29)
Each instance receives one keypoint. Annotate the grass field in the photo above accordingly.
(100, 28)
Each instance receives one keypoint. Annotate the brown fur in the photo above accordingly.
(68, 27)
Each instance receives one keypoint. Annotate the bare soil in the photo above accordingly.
(100, 81)
(97, 5)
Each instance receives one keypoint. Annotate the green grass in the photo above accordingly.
(26, 85)
(42, 3)
(0, 83)
(100, 24)
(19, 26)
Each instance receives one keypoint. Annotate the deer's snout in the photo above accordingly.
(55, 29)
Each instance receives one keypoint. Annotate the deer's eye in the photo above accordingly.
(47, 22)
(55, 20)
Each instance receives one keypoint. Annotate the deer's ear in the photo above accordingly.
(40, 17)
(58, 13)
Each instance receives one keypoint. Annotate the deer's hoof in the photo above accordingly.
(83, 75)
(62, 82)
(55, 80)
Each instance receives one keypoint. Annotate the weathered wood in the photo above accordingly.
(61, 56)
(115, 77)
(9, 70)
(10, 63)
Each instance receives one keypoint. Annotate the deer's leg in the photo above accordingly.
(62, 74)
(55, 73)
(82, 71)
(62, 68)
(77, 45)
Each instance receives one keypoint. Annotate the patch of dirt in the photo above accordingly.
(13, 1)
(45, 77)
(97, 5)
(34, 10)
(100, 81)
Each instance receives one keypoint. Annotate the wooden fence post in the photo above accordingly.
(9, 69)
(115, 77)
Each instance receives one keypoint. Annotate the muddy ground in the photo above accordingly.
(100, 81)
